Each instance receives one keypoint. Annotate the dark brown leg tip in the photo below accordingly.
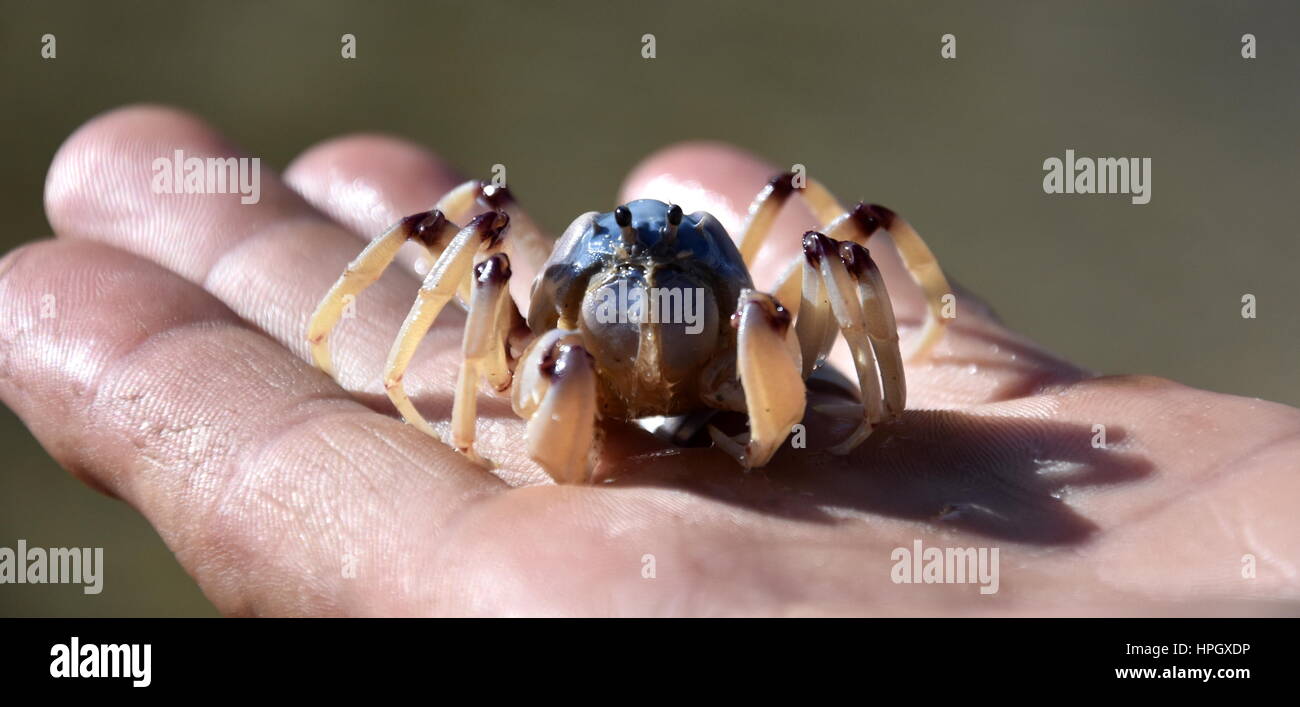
(495, 269)
(865, 217)
(885, 215)
(782, 185)
(856, 258)
(495, 197)
(817, 246)
(425, 227)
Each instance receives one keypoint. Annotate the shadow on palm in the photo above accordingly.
(1000, 477)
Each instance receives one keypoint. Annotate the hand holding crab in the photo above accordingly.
(176, 377)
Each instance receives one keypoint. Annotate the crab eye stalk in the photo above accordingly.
(623, 217)
(669, 231)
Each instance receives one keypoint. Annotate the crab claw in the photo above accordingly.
(769, 370)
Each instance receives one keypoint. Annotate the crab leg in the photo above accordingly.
(924, 269)
(765, 207)
(529, 246)
(555, 390)
(431, 229)
(841, 292)
(769, 372)
(878, 313)
(815, 325)
(762, 214)
(483, 347)
(858, 226)
(861, 223)
(449, 273)
(842, 283)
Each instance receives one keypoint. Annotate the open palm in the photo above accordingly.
(155, 347)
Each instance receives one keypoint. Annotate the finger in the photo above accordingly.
(259, 472)
(979, 360)
(368, 182)
(269, 261)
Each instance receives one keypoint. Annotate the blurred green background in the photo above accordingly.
(856, 91)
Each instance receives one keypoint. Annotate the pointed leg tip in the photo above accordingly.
(473, 456)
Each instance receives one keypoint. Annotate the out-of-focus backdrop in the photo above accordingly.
(856, 91)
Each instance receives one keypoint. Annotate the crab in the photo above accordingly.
(574, 360)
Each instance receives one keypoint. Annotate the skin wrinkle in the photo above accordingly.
(8, 336)
(296, 433)
(109, 377)
(95, 381)
(585, 553)
(202, 478)
(317, 427)
(1256, 548)
(246, 515)
(309, 223)
(1217, 476)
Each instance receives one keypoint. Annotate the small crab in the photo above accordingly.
(575, 359)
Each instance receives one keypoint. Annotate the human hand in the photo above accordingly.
(175, 377)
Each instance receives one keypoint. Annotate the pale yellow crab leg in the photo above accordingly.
(768, 366)
(924, 269)
(841, 280)
(767, 206)
(432, 229)
(449, 272)
(815, 324)
(483, 347)
(841, 290)
(762, 214)
(460, 201)
(882, 329)
(857, 225)
(864, 221)
(555, 390)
